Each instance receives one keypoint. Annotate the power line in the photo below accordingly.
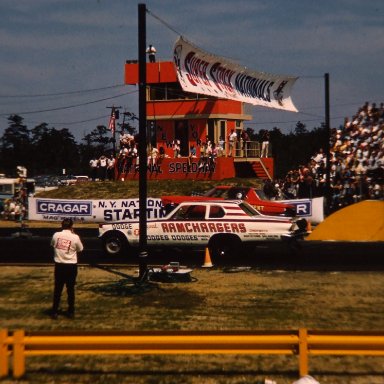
(291, 121)
(164, 22)
(68, 106)
(72, 122)
(63, 93)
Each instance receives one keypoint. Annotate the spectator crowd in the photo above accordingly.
(16, 207)
(356, 164)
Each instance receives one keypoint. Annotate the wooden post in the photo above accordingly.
(3, 353)
(303, 352)
(18, 354)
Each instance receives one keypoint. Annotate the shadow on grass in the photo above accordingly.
(129, 285)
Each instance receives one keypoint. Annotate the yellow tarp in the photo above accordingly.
(362, 221)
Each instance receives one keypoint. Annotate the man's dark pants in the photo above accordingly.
(65, 274)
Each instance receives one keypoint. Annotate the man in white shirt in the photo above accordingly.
(66, 245)
(94, 164)
(111, 167)
(151, 51)
(232, 138)
(103, 161)
(265, 144)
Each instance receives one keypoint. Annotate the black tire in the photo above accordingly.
(115, 244)
(224, 247)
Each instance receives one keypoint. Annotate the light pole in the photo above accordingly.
(328, 148)
(142, 142)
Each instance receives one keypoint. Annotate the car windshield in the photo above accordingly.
(248, 209)
(261, 194)
(237, 193)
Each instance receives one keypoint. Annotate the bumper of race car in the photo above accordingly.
(300, 231)
(296, 235)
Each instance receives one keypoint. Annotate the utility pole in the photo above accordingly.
(114, 110)
(128, 116)
(328, 148)
(142, 141)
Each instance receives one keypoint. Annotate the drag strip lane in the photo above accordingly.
(34, 247)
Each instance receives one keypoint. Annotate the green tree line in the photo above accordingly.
(47, 150)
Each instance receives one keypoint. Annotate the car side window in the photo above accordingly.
(187, 212)
(181, 213)
(216, 212)
(196, 212)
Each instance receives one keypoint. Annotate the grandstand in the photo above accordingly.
(357, 163)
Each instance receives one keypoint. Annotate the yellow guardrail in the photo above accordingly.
(18, 345)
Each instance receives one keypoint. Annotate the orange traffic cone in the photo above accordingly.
(309, 226)
(207, 259)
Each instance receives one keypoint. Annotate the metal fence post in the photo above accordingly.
(3, 353)
(303, 352)
(18, 354)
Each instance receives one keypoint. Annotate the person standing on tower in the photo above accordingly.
(151, 50)
(265, 144)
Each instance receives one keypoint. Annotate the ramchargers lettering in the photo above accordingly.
(203, 227)
(64, 207)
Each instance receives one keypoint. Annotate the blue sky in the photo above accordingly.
(68, 56)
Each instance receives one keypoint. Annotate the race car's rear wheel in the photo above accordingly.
(224, 247)
(115, 244)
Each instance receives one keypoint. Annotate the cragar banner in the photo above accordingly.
(202, 72)
(96, 211)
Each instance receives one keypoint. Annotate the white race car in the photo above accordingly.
(222, 226)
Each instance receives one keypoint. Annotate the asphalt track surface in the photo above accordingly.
(34, 248)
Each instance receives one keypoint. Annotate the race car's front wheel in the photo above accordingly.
(224, 247)
(115, 244)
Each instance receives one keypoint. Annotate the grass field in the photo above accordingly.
(130, 189)
(215, 300)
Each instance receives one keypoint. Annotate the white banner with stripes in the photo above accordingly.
(204, 73)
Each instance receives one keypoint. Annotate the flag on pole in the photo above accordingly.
(112, 121)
